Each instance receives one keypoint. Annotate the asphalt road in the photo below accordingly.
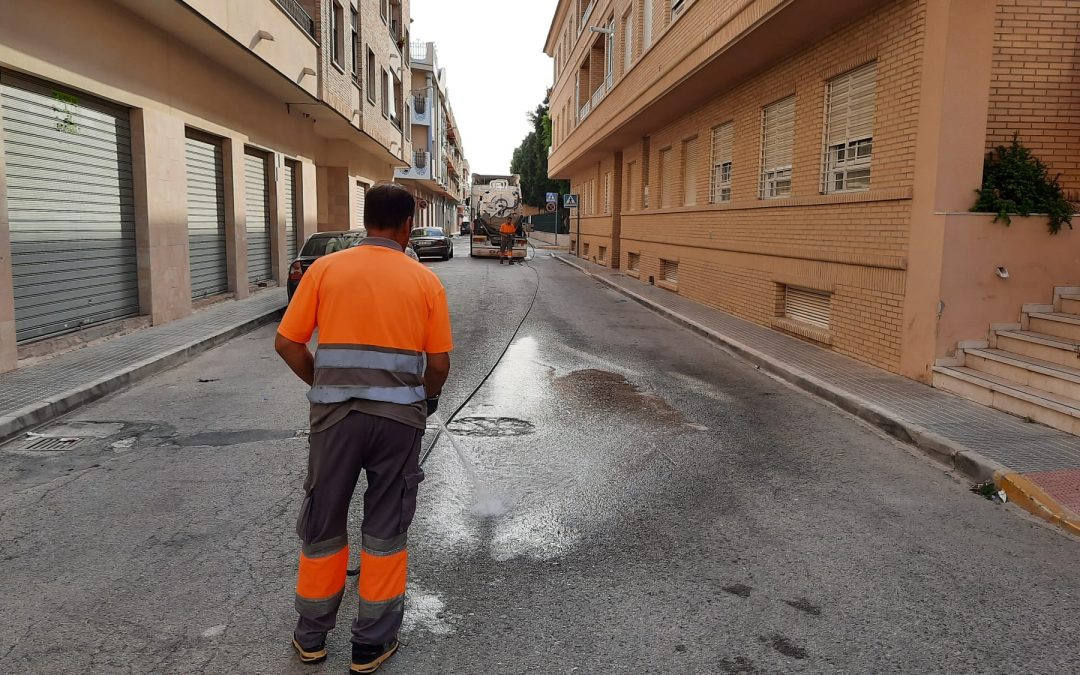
(648, 504)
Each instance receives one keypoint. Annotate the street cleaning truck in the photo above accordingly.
(493, 200)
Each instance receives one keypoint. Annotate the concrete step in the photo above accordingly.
(1002, 394)
(1052, 348)
(1059, 324)
(1070, 304)
(1024, 370)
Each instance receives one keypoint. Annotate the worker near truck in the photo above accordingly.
(506, 241)
(383, 357)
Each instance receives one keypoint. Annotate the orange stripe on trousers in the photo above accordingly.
(324, 577)
(383, 577)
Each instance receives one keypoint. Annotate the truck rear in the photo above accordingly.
(494, 199)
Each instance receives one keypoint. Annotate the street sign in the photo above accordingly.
(550, 207)
(552, 197)
(569, 201)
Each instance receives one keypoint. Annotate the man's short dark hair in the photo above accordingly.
(387, 206)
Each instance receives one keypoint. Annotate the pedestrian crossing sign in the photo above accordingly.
(552, 198)
(569, 201)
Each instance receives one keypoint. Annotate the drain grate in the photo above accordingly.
(49, 444)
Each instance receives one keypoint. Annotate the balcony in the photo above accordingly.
(583, 114)
(298, 14)
(420, 100)
(422, 53)
(420, 169)
(598, 96)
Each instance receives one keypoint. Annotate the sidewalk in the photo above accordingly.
(1038, 467)
(36, 394)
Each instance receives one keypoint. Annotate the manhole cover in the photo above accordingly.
(491, 426)
(49, 444)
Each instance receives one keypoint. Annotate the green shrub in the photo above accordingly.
(1016, 182)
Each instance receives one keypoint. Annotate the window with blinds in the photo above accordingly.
(723, 137)
(777, 141)
(631, 173)
(665, 178)
(669, 271)
(607, 192)
(633, 261)
(807, 306)
(689, 174)
(849, 130)
(585, 250)
(602, 256)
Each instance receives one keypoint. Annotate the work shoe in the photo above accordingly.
(368, 658)
(310, 656)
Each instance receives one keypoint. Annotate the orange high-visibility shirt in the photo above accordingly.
(507, 228)
(372, 295)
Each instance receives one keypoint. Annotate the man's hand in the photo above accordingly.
(298, 357)
(438, 369)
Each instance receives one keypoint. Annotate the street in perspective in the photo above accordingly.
(588, 336)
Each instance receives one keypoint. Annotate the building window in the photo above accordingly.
(677, 6)
(669, 271)
(602, 256)
(849, 130)
(631, 169)
(356, 46)
(395, 20)
(384, 10)
(337, 34)
(607, 192)
(720, 179)
(395, 89)
(807, 306)
(777, 139)
(585, 249)
(633, 261)
(689, 174)
(371, 75)
(628, 42)
(609, 56)
(666, 178)
(385, 93)
(646, 24)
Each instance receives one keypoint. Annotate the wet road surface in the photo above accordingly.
(646, 503)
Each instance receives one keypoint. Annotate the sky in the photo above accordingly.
(496, 69)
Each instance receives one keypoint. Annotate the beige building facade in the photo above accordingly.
(810, 166)
(181, 151)
(438, 174)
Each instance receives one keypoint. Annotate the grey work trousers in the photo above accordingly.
(389, 452)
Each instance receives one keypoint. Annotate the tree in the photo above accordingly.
(530, 160)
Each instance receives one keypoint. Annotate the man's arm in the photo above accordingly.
(299, 358)
(438, 369)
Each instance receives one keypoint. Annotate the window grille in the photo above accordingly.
(849, 131)
(720, 179)
(777, 139)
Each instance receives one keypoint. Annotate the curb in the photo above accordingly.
(954, 455)
(55, 406)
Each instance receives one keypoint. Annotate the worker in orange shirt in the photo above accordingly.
(506, 241)
(383, 357)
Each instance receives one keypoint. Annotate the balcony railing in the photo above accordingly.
(420, 159)
(298, 14)
(584, 112)
(420, 100)
(588, 13)
(598, 96)
(420, 170)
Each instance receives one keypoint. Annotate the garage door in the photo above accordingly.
(206, 216)
(70, 206)
(288, 174)
(257, 199)
(361, 195)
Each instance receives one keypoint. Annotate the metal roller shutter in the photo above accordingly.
(206, 216)
(288, 174)
(71, 208)
(667, 179)
(257, 200)
(361, 196)
(812, 307)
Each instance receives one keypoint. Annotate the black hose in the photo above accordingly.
(483, 380)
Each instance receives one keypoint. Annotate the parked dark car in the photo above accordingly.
(318, 245)
(466, 227)
(431, 242)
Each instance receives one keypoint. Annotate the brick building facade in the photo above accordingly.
(805, 165)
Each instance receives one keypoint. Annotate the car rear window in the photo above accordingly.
(325, 244)
(426, 232)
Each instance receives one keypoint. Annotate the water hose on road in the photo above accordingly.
(484, 379)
